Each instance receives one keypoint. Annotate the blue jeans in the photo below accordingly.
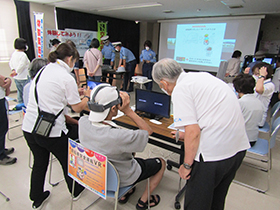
(95, 78)
(20, 85)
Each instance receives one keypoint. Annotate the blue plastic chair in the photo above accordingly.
(262, 148)
(273, 112)
(113, 184)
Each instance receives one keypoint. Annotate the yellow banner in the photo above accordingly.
(101, 31)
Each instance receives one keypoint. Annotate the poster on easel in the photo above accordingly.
(88, 168)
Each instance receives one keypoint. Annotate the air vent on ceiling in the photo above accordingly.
(233, 4)
(168, 11)
(235, 7)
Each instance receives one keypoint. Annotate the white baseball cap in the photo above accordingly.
(104, 38)
(116, 43)
(103, 96)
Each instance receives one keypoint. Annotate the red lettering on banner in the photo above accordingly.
(49, 32)
(54, 33)
(38, 32)
(39, 40)
(38, 23)
(62, 33)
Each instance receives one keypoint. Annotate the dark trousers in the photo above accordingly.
(130, 70)
(104, 75)
(41, 148)
(3, 127)
(208, 186)
(274, 99)
(147, 72)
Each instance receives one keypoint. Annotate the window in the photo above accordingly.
(8, 29)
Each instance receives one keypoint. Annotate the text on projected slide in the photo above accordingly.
(199, 44)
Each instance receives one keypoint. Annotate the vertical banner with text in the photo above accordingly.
(39, 33)
(101, 31)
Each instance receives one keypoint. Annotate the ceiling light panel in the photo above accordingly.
(128, 6)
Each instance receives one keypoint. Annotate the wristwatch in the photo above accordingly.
(187, 166)
(87, 97)
(261, 76)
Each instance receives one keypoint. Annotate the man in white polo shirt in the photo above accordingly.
(215, 137)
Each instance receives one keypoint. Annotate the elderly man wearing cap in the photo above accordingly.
(128, 60)
(99, 133)
(108, 52)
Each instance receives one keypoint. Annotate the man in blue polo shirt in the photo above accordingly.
(108, 53)
(127, 59)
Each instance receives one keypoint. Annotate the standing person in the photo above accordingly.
(276, 82)
(108, 53)
(5, 159)
(75, 71)
(234, 64)
(93, 61)
(55, 89)
(251, 107)
(127, 59)
(19, 63)
(148, 57)
(99, 133)
(55, 43)
(215, 139)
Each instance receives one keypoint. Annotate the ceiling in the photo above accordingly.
(174, 8)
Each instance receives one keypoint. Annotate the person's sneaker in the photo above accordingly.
(8, 161)
(39, 204)
(9, 151)
(75, 198)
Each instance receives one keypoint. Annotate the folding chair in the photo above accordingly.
(262, 149)
(7, 199)
(20, 112)
(273, 113)
(113, 186)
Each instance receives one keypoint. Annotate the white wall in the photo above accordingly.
(9, 32)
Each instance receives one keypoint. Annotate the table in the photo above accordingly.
(161, 132)
(161, 137)
(141, 82)
(118, 75)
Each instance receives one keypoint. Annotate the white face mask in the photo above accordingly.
(164, 91)
(147, 48)
(26, 47)
(116, 50)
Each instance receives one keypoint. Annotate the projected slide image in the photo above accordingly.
(199, 44)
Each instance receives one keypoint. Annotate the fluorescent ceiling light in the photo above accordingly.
(128, 6)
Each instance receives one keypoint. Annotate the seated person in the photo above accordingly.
(97, 132)
(233, 64)
(252, 108)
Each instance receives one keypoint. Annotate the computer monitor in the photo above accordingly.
(268, 60)
(153, 104)
(92, 84)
